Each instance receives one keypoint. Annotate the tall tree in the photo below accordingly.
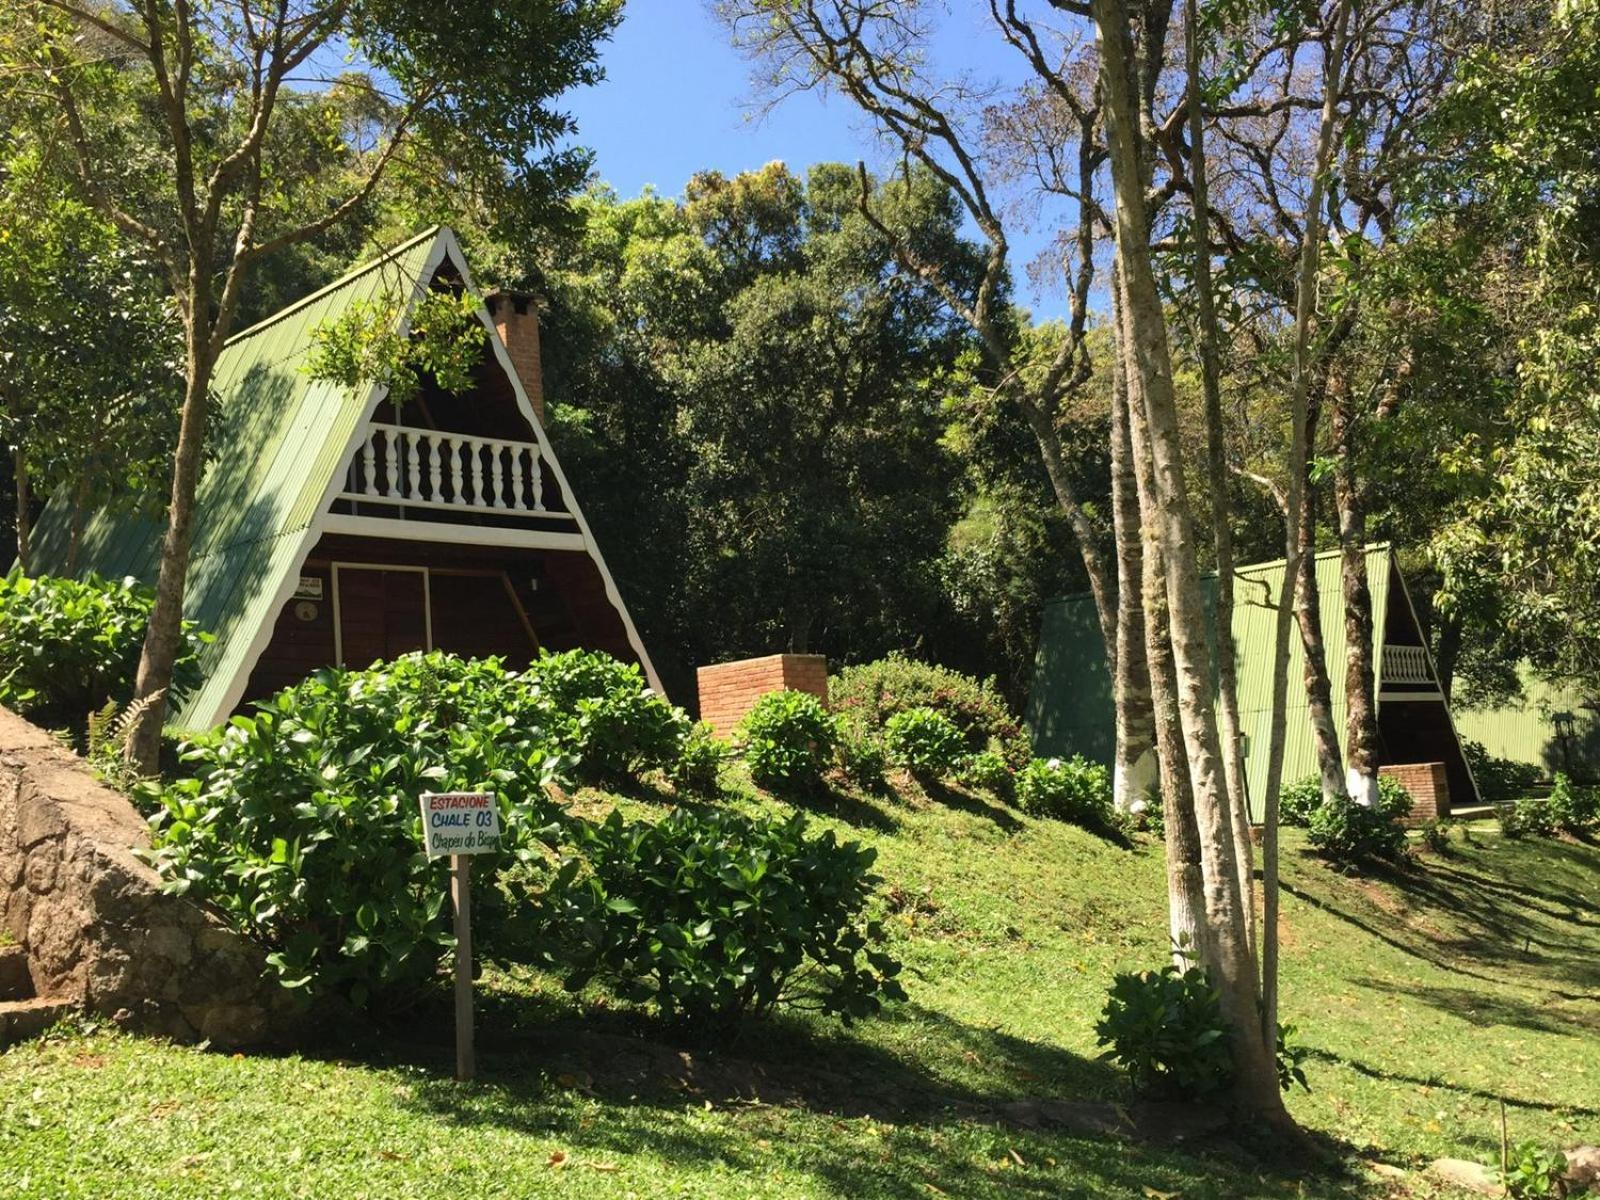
(211, 83)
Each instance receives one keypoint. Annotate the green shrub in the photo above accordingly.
(712, 917)
(68, 647)
(301, 822)
(1573, 808)
(606, 716)
(789, 739)
(1352, 835)
(1499, 779)
(1436, 836)
(989, 771)
(870, 693)
(1534, 1171)
(1291, 1060)
(1073, 790)
(699, 762)
(1165, 1029)
(862, 759)
(1299, 800)
(1394, 801)
(1527, 818)
(924, 741)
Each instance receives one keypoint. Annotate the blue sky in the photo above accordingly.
(676, 99)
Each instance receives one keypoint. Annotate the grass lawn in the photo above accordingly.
(1425, 999)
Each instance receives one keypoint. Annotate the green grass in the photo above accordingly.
(1424, 999)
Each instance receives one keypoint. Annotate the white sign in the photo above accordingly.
(459, 823)
(310, 588)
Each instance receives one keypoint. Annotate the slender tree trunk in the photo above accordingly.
(1133, 772)
(24, 518)
(1294, 503)
(1233, 968)
(1188, 927)
(1360, 685)
(1229, 727)
(165, 632)
(1308, 612)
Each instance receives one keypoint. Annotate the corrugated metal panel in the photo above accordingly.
(1070, 708)
(1526, 731)
(275, 440)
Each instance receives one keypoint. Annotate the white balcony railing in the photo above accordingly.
(1406, 664)
(425, 468)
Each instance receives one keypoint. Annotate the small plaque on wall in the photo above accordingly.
(310, 588)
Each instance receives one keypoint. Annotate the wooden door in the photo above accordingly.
(383, 613)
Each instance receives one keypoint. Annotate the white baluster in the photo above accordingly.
(392, 444)
(477, 471)
(538, 479)
(516, 479)
(433, 468)
(496, 474)
(416, 464)
(369, 460)
(457, 494)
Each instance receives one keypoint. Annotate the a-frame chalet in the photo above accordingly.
(334, 527)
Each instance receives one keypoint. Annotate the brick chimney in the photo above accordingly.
(517, 320)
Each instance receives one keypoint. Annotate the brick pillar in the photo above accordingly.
(517, 320)
(1429, 785)
(730, 690)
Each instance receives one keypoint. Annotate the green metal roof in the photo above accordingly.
(275, 440)
(1070, 709)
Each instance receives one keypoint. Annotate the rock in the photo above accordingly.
(1473, 1176)
(1583, 1167)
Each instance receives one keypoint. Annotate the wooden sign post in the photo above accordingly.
(461, 824)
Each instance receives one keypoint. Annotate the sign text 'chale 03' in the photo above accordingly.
(459, 823)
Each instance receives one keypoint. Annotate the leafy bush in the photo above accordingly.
(68, 647)
(1499, 779)
(1352, 835)
(1436, 836)
(870, 693)
(1394, 801)
(301, 822)
(714, 917)
(1165, 1029)
(1291, 1059)
(1299, 800)
(1527, 818)
(789, 739)
(1573, 808)
(988, 770)
(700, 756)
(1534, 1171)
(607, 717)
(1073, 790)
(924, 741)
(862, 758)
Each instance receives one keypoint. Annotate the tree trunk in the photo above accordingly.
(1233, 968)
(1308, 611)
(24, 519)
(1229, 726)
(164, 635)
(1360, 685)
(1133, 772)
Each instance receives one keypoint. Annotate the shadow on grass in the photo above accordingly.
(1440, 1084)
(1487, 1009)
(970, 802)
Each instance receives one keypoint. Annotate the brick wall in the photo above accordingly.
(1429, 786)
(517, 320)
(729, 690)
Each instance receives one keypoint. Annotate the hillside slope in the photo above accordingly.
(1424, 999)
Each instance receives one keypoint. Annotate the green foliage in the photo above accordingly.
(789, 739)
(713, 917)
(1499, 779)
(1073, 789)
(301, 821)
(862, 758)
(1527, 818)
(1299, 800)
(871, 693)
(366, 345)
(1394, 801)
(699, 762)
(69, 647)
(1534, 1171)
(1291, 1059)
(1436, 836)
(1165, 1029)
(604, 714)
(1353, 836)
(924, 741)
(988, 770)
(1573, 808)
